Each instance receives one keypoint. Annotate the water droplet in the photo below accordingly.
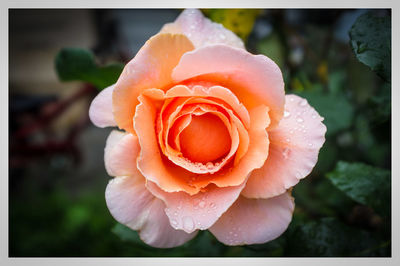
(287, 140)
(303, 102)
(298, 175)
(176, 213)
(230, 232)
(223, 37)
(188, 223)
(291, 99)
(235, 235)
(285, 153)
(202, 204)
(286, 114)
(310, 144)
(313, 116)
(291, 131)
(300, 120)
(174, 222)
(212, 205)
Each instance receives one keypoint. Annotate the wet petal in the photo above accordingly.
(254, 221)
(293, 151)
(130, 203)
(254, 79)
(199, 211)
(158, 169)
(201, 31)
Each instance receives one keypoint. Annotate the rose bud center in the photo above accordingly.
(205, 139)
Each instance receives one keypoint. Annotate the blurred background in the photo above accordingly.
(56, 170)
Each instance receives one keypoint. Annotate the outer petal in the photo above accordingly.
(293, 150)
(198, 211)
(254, 79)
(254, 221)
(100, 110)
(130, 203)
(201, 31)
(120, 154)
(151, 68)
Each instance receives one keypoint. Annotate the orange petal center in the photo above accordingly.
(205, 139)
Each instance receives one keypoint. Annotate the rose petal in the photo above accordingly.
(254, 221)
(150, 161)
(293, 150)
(198, 211)
(100, 110)
(157, 231)
(120, 154)
(151, 68)
(201, 31)
(254, 79)
(225, 96)
(130, 203)
(170, 178)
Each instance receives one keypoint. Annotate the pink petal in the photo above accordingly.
(293, 150)
(201, 31)
(199, 211)
(254, 221)
(100, 111)
(254, 79)
(158, 232)
(151, 68)
(120, 154)
(130, 203)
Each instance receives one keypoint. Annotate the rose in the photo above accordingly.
(210, 140)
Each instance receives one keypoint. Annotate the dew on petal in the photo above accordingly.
(174, 222)
(300, 120)
(286, 114)
(187, 223)
(285, 153)
(303, 102)
(202, 204)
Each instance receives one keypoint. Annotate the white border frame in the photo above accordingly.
(5, 5)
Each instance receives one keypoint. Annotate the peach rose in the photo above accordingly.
(209, 140)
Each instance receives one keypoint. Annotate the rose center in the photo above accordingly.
(205, 139)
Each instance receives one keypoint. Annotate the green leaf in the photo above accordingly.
(336, 109)
(365, 184)
(330, 237)
(370, 39)
(74, 64)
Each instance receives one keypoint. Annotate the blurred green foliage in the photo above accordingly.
(240, 21)
(342, 207)
(75, 64)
